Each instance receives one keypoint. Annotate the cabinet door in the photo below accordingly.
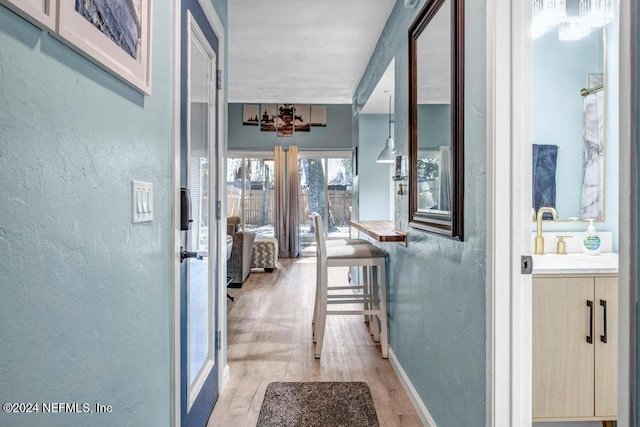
(563, 377)
(606, 356)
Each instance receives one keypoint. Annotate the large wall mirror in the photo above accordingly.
(436, 107)
(568, 123)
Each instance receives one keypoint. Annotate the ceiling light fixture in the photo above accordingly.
(388, 153)
(575, 18)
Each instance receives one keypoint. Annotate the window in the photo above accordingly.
(250, 193)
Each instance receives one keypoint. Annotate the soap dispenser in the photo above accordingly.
(591, 242)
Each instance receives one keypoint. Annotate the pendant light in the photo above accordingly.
(388, 153)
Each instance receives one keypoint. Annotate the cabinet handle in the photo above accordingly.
(603, 303)
(590, 336)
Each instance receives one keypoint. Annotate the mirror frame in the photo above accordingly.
(452, 224)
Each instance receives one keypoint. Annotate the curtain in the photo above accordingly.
(287, 216)
(293, 214)
(592, 165)
(281, 230)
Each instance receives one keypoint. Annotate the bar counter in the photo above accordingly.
(382, 231)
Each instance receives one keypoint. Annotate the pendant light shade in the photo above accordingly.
(388, 153)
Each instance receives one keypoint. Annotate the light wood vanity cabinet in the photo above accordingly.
(574, 379)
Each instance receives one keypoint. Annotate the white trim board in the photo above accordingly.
(221, 109)
(175, 221)
(412, 393)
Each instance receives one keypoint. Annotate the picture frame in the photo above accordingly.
(319, 115)
(284, 120)
(302, 117)
(128, 58)
(268, 117)
(250, 115)
(41, 13)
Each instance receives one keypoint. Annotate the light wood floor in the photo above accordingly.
(269, 340)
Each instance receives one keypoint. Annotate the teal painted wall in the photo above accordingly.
(436, 295)
(374, 179)
(85, 295)
(434, 125)
(559, 72)
(335, 136)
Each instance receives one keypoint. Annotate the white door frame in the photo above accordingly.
(509, 383)
(508, 228)
(628, 216)
(218, 155)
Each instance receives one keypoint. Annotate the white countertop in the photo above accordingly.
(575, 263)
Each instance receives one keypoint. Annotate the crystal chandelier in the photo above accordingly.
(575, 18)
(599, 13)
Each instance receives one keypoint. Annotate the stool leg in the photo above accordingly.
(322, 311)
(365, 290)
(316, 301)
(384, 343)
(375, 303)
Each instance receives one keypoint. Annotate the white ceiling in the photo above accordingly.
(304, 51)
(434, 59)
(378, 102)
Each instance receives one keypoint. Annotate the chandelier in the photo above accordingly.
(574, 18)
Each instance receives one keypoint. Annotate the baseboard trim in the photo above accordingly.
(417, 403)
(226, 375)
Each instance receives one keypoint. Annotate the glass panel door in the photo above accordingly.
(250, 193)
(312, 197)
(325, 188)
(259, 201)
(339, 191)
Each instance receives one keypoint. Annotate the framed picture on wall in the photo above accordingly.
(41, 13)
(302, 117)
(285, 120)
(268, 115)
(123, 47)
(319, 115)
(250, 115)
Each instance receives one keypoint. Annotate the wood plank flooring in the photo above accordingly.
(270, 340)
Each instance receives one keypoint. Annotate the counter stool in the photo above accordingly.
(348, 255)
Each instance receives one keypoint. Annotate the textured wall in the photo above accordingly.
(374, 178)
(335, 136)
(437, 286)
(85, 294)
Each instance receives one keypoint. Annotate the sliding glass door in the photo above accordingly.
(250, 193)
(325, 188)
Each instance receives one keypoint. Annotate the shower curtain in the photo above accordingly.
(591, 203)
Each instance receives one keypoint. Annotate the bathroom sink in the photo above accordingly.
(575, 263)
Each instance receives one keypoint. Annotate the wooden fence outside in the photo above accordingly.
(257, 200)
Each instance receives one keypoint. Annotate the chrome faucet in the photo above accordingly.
(539, 238)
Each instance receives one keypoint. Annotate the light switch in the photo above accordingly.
(142, 201)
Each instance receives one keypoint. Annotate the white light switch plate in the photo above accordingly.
(142, 203)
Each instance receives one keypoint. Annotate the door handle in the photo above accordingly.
(590, 336)
(603, 303)
(188, 254)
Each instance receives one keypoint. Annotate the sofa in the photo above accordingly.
(239, 263)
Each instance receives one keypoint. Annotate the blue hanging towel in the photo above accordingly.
(544, 176)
